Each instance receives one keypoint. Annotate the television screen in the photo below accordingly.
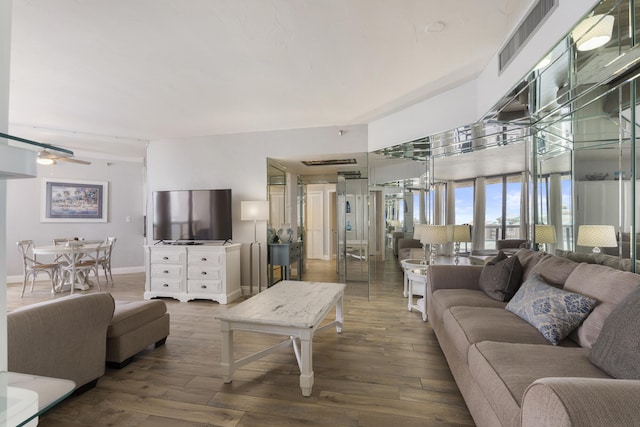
(192, 215)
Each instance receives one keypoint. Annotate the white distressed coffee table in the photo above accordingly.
(291, 308)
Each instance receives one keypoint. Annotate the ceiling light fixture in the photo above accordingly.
(45, 161)
(435, 27)
(593, 32)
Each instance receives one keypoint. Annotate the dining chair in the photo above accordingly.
(32, 267)
(81, 263)
(105, 259)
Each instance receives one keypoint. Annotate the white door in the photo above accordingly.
(315, 229)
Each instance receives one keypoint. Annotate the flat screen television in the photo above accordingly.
(190, 215)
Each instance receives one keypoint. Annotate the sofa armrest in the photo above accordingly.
(61, 338)
(454, 277)
(584, 402)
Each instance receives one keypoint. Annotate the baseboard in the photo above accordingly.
(122, 270)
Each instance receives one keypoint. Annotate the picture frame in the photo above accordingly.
(73, 200)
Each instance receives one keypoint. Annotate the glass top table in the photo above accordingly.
(23, 397)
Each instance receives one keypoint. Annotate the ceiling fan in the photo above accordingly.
(46, 157)
(48, 154)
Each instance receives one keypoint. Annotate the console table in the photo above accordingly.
(193, 272)
(285, 255)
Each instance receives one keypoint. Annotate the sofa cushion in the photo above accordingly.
(500, 277)
(528, 260)
(576, 256)
(554, 269)
(606, 285)
(503, 371)
(617, 349)
(443, 299)
(468, 325)
(552, 311)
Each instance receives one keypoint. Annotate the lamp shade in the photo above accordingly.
(545, 234)
(462, 233)
(434, 234)
(418, 229)
(254, 210)
(593, 32)
(597, 236)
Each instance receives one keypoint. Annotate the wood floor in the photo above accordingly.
(385, 369)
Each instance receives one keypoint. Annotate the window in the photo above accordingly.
(464, 202)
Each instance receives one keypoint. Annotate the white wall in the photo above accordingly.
(239, 162)
(126, 199)
(467, 103)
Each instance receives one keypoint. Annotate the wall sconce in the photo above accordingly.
(597, 236)
(254, 211)
(593, 32)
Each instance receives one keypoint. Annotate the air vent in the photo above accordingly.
(536, 16)
(336, 162)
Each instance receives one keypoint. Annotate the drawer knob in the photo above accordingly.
(203, 287)
(166, 271)
(203, 259)
(204, 273)
(165, 258)
(165, 285)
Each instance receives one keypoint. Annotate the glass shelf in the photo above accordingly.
(23, 397)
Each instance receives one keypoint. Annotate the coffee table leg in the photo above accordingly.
(306, 362)
(227, 351)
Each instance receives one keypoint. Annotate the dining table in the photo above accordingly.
(71, 253)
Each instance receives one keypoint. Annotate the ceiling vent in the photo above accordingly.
(335, 162)
(529, 25)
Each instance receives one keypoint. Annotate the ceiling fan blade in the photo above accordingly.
(73, 160)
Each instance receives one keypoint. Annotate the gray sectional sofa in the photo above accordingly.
(74, 337)
(508, 372)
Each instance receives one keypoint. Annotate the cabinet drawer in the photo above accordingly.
(204, 286)
(165, 285)
(166, 270)
(206, 259)
(204, 272)
(159, 257)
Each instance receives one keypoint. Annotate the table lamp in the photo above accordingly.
(545, 234)
(417, 233)
(597, 236)
(433, 235)
(461, 233)
(254, 211)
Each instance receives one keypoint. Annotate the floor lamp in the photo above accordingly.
(255, 211)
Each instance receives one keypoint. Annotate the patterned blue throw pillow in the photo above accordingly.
(552, 311)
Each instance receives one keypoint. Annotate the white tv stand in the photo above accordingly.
(187, 272)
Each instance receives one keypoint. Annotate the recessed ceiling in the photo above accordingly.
(152, 69)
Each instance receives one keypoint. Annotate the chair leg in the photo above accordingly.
(110, 276)
(24, 285)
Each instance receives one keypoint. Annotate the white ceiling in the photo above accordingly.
(146, 69)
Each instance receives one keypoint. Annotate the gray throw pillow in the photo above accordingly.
(617, 349)
(552, 311)
(500, 277)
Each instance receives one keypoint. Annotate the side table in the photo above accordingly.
(417, 282)
(410, 264)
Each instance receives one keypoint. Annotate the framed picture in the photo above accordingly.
(73, 200)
